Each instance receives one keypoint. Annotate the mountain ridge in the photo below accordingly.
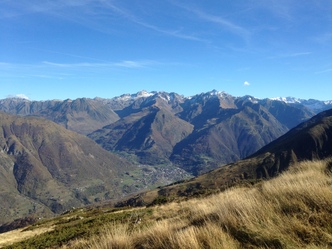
(164, 135)
(46, 169)
(210, 127)
(81, 115)
(309, 141)
(214, 116)
(310, 103)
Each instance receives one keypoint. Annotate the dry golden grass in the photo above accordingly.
(21, 234)
(293, 210)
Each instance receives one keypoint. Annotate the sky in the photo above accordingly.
(60, 49)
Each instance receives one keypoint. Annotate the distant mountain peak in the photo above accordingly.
(211, 94)
(288, 100)
(18, 97)
(250, 98)
(145, 93)
(312, 104)
(215, 92)
(140, 94)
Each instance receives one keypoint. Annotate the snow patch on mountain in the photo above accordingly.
(252, 99)
(312, 104)
(288, 100)
(127, 99)
(18, 96)
(144, 94)
(141, 94)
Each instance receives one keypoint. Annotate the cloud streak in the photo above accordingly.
(56, 70)
(226, 24)
(218, 20)
(290, 55)
(134, 19)
(92, 14)
(123, 64)
(48, 70)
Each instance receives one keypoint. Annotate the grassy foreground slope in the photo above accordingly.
(293, 210)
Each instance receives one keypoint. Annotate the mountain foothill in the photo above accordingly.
(55, 155)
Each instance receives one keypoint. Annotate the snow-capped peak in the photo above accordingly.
(18, 96)
(141, 94)
(250, 98)
(214, 92)
(312, 104)
(288, 100)
(144, 94)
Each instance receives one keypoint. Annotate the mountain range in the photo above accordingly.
(196, 133)
(80, 115)
(309, 141)
(61, 154)
(46, 169)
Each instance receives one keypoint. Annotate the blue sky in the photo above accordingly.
(86, 48)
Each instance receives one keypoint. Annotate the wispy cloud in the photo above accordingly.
(134, 19)
(298, 54)
(92, 14)
(282, 9)
(218, 20)
(60, 71)
(290, 55)
(123, 64)
(68, 54)
(228, 25)
(21, 8)
(134, 64)
(246, 83)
